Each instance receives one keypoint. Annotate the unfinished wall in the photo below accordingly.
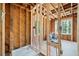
(16, 26)
(28, 26)
(52, 24)
(17, 29)
(67, 37)
(74, 27)
(7, 28)
(22, 27)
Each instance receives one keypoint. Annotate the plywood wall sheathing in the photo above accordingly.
(16, 25)
(22, 27)
(28, 27)
(7, 30)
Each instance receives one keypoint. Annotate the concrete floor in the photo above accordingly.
(68, 48)
(24, 51)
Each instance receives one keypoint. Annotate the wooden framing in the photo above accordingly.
(78, 30)
(19, 29)
(59, 29)
(54, 8)
(40, 14)
(0, 29)
(58, 46)
(28, 26)
(44, 19)
(72, 23)
(63, 10)
(21, 16)
(3, 30)
(34, 29)
(22, 7)
(11, 29)
(22, 27)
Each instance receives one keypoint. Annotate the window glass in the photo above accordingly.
(66, 26)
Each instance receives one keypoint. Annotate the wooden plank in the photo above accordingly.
(48, 32)
(0, 30)
(22, 7)
(59, 30)
(75, 27)
(16, 25)
(11, 28)
(22, 27)
(3, 29)
(28, 26)
(7, 29)
(17, 5)
(78, 30)
(63, 9)
(54, 8)
(72, 23)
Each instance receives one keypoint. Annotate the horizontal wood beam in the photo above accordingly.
(46, 7)
(23, 7)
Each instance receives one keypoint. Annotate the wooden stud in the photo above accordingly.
(3, 29)
(78, 30)
(0, 29)
(59, 30)
(72, 23)
(27, 27)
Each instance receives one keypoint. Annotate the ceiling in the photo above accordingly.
(65, 8)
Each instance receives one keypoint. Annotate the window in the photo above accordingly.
(66, 25)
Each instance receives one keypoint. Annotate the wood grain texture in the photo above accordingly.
(28, 27)
(7, 28)
(0, 31)
(16, 25)
(22, 27)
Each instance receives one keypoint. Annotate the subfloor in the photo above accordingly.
(68, 48)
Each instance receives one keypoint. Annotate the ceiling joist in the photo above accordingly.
(63, 9)
(54, 8)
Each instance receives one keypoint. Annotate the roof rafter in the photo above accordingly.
(63, 9)
(54, 8)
